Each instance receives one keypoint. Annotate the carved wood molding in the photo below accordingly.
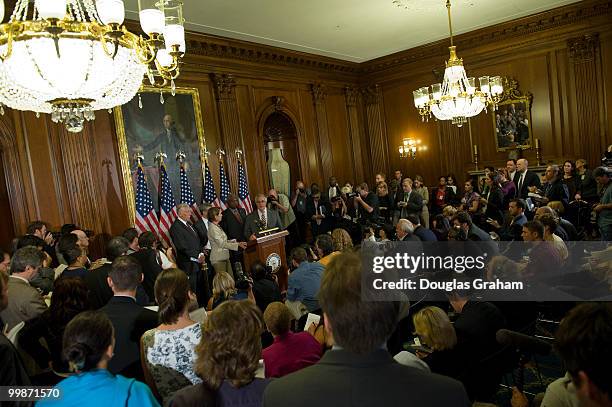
(352, 95)
(225, 84)
(319, 91)
(583, 49)
(517, 28)
(372, 94)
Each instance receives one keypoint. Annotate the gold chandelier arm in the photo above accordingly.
(9, 45)
(144, 51)
(450, 24)
(108, 52)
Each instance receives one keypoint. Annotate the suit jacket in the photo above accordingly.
(150, 269)
(531, 179)
(24, 303)
(495, 205)
(250, 225)
(557, 191)
(99, 290)
(414, 205)
(130, 321)
(234, 226)
(12, 371)
(188, 246)
(202, 231)
(219, 246)
(344, 379)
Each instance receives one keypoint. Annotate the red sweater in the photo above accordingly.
(291, 352)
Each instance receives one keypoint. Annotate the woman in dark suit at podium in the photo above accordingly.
(219, 245)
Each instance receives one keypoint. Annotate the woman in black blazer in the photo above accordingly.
(493, 199)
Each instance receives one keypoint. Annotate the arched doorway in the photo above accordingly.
(279, 132)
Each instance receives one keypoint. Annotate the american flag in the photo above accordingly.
(225, 189)
(167, 206)
(208, 194)
(187, 195)
(243, 190)
(146, 219)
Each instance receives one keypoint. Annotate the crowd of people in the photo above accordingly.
(188, 325)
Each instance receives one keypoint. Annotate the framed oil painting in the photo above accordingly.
(512, 119)
(156, 121)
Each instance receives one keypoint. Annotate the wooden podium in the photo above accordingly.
(270, 250)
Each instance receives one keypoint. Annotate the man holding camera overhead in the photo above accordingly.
(263, 218)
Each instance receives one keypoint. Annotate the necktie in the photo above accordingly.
(520, 184)
(191, 227)
(262, 217)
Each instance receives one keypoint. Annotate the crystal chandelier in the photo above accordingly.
(457, 97)
(70, 58)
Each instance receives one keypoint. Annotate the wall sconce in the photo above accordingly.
(409, 148)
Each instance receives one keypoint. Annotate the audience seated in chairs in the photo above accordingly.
(290, 351)
(69, 298)
(227, 359)
(358, 368)
(342, 240)
(224, 289)
(168, 351)
(325, 248)
(88, 347)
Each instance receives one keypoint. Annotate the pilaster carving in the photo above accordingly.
(372, 95)
(377, 133)
(229, 118)
(224, 86)
(319, 91)
(353, 95)
(583, 49)
(327, 162)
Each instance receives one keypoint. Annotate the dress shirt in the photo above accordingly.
(20, 278)
(332, 192)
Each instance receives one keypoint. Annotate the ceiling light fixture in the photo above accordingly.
(457, 97)
(70, 58)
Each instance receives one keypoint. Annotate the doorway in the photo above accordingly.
(280, 133)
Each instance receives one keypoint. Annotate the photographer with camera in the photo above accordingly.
(280, 203)
(367, 204)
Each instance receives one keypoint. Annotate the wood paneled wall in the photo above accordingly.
(349, 117)
(563, 57)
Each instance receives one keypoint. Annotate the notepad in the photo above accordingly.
(311, 318)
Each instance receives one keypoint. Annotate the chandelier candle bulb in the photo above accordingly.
(51, 9)
(537, 143)
(174, 34)
(111, 11)
(152, 21)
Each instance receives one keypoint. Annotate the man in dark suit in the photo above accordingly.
(512, 228)
(319, 214)
(407, 202)
(97, 280)
(129, 319)
(333, 190)
(261, 219)
(426, 235)
(147, 258)
(189, 248)
(358, 370)
(523, 179)
(233, 220)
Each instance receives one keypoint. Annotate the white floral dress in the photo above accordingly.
(171, 357)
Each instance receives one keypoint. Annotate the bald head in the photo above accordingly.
(522, 165)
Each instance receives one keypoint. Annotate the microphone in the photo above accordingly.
(522, 342)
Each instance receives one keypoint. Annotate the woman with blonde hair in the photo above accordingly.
(438, 336)
(223, 289)
(228, 359)
(342, 240)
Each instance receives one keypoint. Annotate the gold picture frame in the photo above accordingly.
(512, 119)
(145, 129)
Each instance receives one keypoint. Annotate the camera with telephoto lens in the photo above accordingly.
(242, 281)
(271, 199)
(351, 195)
(336, 199)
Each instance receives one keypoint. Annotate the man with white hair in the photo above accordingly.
(189, 247)
(523, 179)
(405, 231)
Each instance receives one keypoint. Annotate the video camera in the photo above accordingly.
(271, 199)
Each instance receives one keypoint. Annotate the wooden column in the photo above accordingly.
(231, 132)
(353, 97)
(327, 162)
(85, 196)
(586, 66)
(14, 182)
(376, 129)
